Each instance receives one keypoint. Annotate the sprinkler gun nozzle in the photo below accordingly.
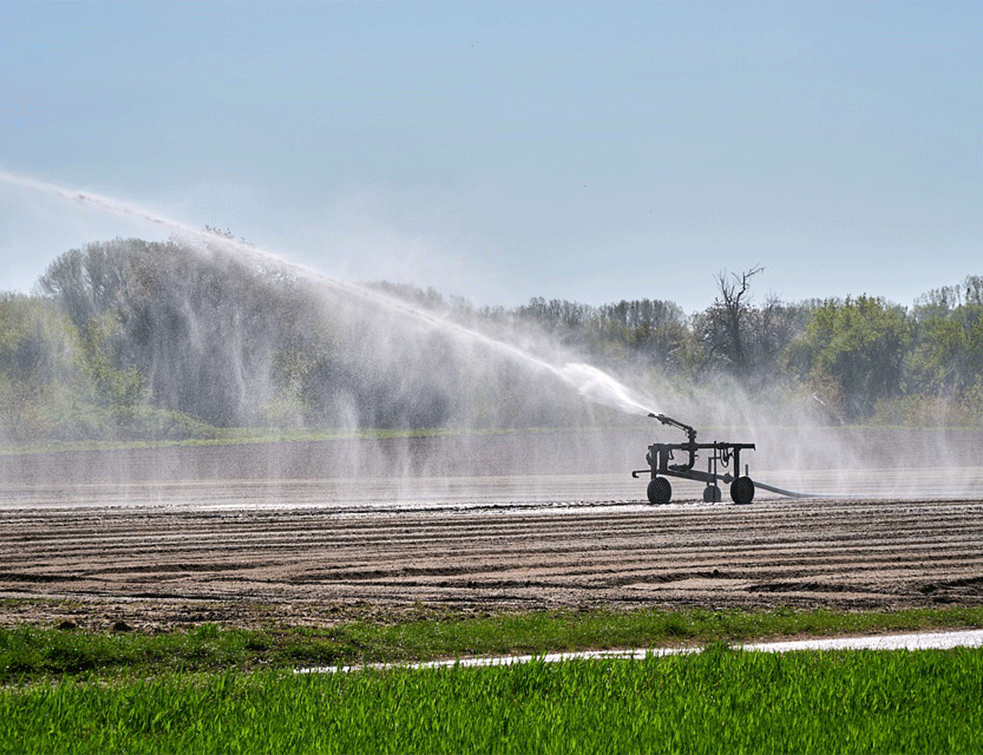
(690, 432)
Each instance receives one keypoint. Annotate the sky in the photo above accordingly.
(593, 152)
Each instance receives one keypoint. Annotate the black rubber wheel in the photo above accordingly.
(659, 491)
(742, 490)
(711, 494)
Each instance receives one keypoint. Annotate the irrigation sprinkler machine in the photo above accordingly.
(722, 457)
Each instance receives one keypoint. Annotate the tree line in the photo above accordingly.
(130, 338)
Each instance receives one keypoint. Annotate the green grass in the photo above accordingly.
(214, 689)
(718, 701)
(29, 653)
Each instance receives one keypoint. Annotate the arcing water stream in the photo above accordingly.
(590, 382)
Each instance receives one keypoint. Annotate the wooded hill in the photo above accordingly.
(136, 339)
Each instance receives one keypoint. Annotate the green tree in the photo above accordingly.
(854, 349)
(115, 389)
(192, 328)
(43, 380)
(946, 356)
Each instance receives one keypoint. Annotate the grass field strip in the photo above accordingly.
(912, 641)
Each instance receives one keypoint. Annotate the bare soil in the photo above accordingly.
(253, 535)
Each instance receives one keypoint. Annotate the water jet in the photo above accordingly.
(591, 383)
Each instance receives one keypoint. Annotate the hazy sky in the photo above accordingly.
(591, 152)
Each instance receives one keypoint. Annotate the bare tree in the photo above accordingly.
(725, 322)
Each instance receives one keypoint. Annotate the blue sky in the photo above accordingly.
(500, 151)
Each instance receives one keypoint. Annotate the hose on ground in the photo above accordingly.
(789, 493)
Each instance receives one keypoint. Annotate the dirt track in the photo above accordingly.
(155, 550)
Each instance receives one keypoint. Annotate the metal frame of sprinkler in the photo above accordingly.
(723, 455)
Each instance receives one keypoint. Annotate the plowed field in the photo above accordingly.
(310, 533)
